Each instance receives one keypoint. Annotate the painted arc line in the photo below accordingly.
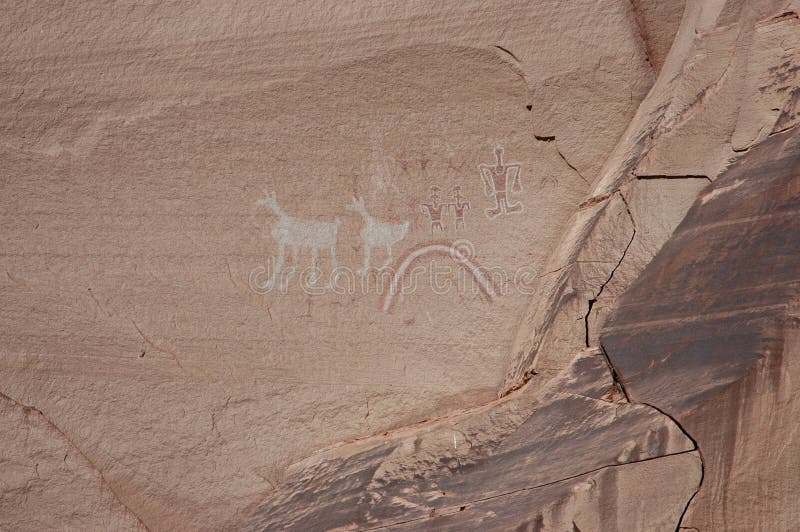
(439, 249)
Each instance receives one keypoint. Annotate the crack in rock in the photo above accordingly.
(613, 271)
(663, 176)
(618, 382)
(69, 440)
(568, 163)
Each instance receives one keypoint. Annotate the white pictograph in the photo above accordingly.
(460, 251)
(298, 233)
(496, 180)
(376, 233)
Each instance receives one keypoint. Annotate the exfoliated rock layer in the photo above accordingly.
(572, 453)
(727, 83)
(720, 339)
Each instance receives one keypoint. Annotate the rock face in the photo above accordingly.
(47, 483)
(400, 265)
(556, 473)
(720, 340)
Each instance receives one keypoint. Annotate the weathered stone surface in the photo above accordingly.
(658, 22)
(656, 205)
(136, 140)
(557, 313)
(719, 341)
(643, 496)
(549, 454)
(159, 161)
(682, 130)
(46, 483)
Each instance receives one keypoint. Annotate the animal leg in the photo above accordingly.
(334, 266)
(366, 259)
(278, 264)
(388, 256)
(314, 254)
(314, 272)
(334, 263)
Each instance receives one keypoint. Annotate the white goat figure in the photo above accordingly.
(377, 233)
(298, 233)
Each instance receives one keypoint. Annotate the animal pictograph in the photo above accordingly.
(298, 234)
(377, 233)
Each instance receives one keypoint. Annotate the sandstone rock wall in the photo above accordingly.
(720, 340)
(449, 265)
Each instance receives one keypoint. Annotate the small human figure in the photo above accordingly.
(459, 206)
(496, 179)
(435, 210)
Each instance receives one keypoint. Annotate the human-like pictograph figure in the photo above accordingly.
(459, 206)
(496, 179)
(435, 210)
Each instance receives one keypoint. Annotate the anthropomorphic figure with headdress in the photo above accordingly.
(496, 178)
(435, 209)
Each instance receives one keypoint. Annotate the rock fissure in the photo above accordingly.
(563, 158)
(641, 26)
(615, 376)
(663, 176)
(103, 479)
(611, 275)
(156, 347)
(696, 448)
(621, 385)
(509, 52)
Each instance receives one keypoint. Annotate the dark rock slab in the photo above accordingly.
(708, 334)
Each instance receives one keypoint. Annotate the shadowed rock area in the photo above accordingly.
(720, 340)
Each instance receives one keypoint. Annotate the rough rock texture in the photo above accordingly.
(161, 163)
(719, 343)
(560, 452)
(48, 484)
(136, 141)
(683, 130)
